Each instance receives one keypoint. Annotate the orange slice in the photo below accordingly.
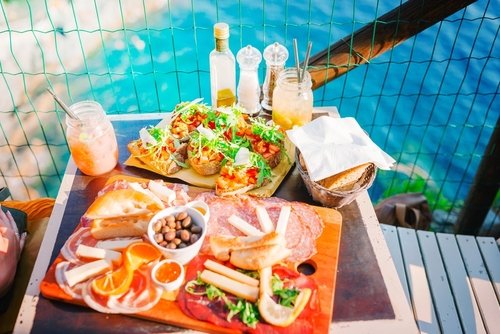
(279, 315)
(140, 253)
(118, 281)
(113, 283)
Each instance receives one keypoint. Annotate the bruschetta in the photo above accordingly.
(205, 151)
(267, 140)
(247, 171)
(158, 149)
(186, 117)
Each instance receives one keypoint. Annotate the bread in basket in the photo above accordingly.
(340, 189)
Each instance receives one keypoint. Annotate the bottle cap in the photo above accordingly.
(249, 57)
(221, 30)
(275, 54)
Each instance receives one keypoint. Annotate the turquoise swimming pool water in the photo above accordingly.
(431, 103)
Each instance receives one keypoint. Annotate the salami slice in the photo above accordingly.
(304, 225)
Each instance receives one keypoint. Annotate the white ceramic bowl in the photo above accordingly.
(181, 255)
(202, 207)
(171, 285)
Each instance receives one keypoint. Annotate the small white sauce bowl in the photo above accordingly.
(181, 255)
(202, 207)
(172, 285)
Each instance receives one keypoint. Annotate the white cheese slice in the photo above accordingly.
(137, 187)
(207, 133)
(116, 244)
(245, 291)
(146, 138)
(283, 220)
(243, 226)
(231, 273)
(265, 222)
(86, 271)
(98, 253)
(242, 157)
(163, 192)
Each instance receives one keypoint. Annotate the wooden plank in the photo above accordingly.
(391, 237)
(480, 281)
(460, 285)
(438, 281)
(425, 314)
(491, 257)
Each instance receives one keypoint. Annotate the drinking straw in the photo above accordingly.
(306, 62)
(63, 105)
(296, 54)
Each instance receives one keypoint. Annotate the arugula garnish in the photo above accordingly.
(247, 312)
(269, 132)
(185, 111)
(286, 296)
(265, 172)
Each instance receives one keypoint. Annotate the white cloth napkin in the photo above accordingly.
(332, 145)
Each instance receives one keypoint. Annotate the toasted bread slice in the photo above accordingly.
(135, 226)
(259, 257)
(345, 180)
(167, 164)
(222, 245)
(205, 169)
(274, 160)
(122, 203)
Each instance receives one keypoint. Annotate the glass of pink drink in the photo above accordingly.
(91, 139)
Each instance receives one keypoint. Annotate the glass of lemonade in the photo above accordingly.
(91, 139)
(292, 100)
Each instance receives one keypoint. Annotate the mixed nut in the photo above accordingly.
(176, 231)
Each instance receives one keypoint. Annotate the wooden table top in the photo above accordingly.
(363, 301)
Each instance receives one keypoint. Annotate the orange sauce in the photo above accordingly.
(201, 210)
(168, 272)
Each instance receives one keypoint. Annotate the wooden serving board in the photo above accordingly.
(324, 263)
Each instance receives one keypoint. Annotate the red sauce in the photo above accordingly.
(168, 272)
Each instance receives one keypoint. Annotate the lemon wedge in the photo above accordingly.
(279, 315)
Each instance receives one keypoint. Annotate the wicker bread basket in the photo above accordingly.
(334, 198)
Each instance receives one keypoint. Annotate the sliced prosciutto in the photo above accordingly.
(76, 291)
(142, 295)
(81, 236)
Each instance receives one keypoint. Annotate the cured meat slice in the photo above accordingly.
(215, 311)
(304, 224)
(142, 295)
(81, 236)
(75, 292)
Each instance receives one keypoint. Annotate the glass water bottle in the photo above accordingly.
(222, 69)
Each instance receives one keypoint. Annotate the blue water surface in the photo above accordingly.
(431, 102)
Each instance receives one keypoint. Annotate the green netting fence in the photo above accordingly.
(431, 102)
